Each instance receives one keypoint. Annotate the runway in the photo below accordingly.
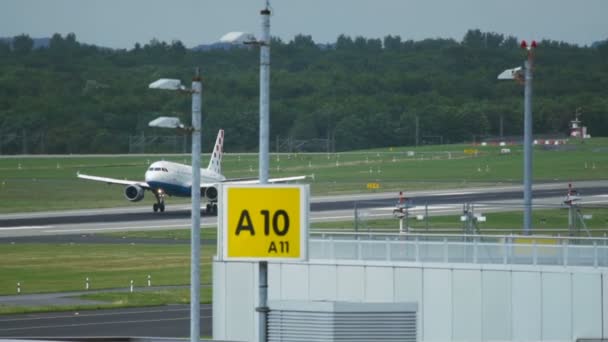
(328, 208)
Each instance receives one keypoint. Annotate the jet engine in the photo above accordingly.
(134, 193)
(211, 193)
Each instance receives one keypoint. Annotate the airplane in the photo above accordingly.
(165, 178)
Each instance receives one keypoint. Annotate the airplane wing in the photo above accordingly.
(113, 180)
(286, 179)
(257, 181)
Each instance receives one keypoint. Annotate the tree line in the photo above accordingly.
(71, 97)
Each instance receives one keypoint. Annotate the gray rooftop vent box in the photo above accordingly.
(304, 321)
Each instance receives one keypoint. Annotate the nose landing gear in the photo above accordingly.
(160, 201)
(158, 207)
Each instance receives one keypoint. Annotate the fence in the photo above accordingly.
(476, 249)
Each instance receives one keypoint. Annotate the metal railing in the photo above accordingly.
(475, 249)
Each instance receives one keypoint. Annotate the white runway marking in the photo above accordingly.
(116, 228)
(417, 208)
(453, 193)
(331, 218)
(25, 227)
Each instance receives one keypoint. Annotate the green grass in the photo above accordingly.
(149, 298)
(176, 234)
(64, 267)
(42, 183)
(117, 300)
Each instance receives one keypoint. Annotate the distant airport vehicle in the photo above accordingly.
(165, 178)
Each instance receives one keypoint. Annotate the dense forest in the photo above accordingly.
(71, 97)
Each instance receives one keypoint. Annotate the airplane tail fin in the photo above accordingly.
(215, 163)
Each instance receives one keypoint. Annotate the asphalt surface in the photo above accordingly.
(72, 298)
(339, 203)
(94, 238)
(82, 226)
(165, 321)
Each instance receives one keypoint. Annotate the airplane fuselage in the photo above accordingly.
(175, 179)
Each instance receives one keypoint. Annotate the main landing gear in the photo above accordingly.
(160, 201)
(211, 209)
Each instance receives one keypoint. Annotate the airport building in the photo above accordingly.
(411, 287)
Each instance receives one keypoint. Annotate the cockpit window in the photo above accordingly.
(151, 169)
(165, 170)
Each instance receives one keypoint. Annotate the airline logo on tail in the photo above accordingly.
(215, 163)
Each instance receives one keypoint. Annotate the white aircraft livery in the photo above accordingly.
(165, 178)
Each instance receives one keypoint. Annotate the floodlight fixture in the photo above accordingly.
(239, 38)
(167, 84)
(511, 74)
(167, 122)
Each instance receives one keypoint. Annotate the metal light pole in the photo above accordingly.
(264, 43)
(195, 238)
(529, 65)
(526, 79)
(264, 156)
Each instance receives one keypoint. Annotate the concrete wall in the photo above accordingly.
(456, 302)
(234, 299)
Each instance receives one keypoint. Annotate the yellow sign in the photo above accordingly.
(543, 246)
(471, 151)
(535, 241)
(265, 222)
(373, 186)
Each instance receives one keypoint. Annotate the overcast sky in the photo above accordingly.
(122, 23)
